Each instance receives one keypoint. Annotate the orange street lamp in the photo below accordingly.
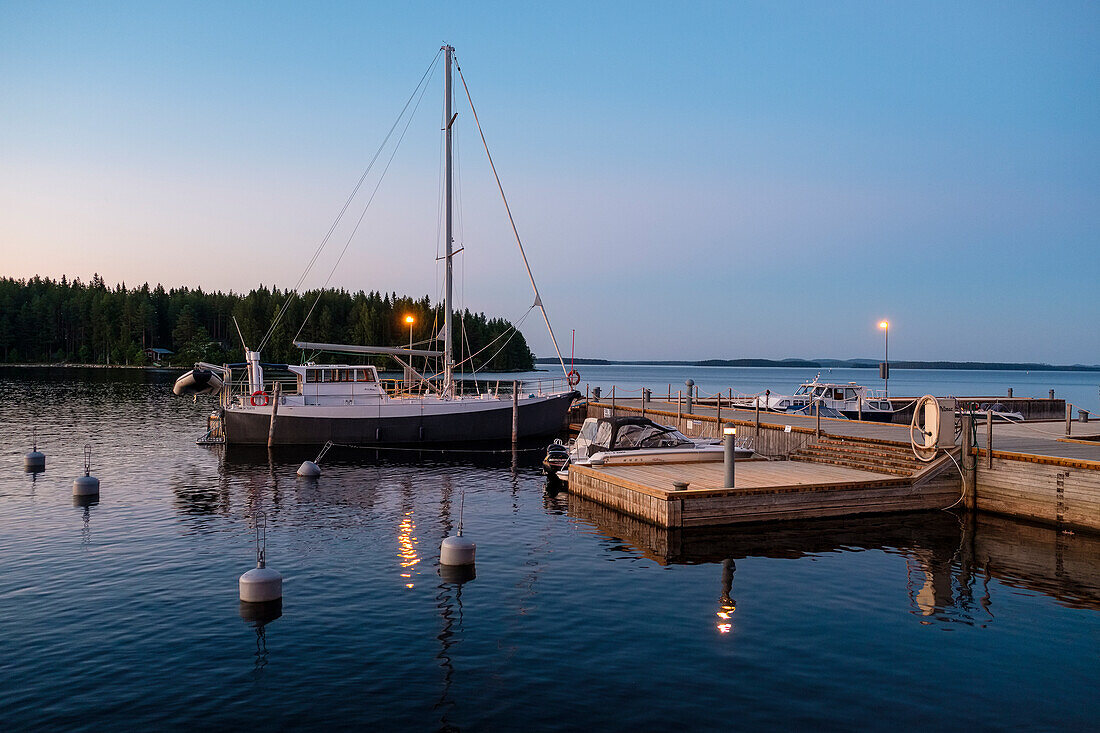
(410, 320)
(885, 326)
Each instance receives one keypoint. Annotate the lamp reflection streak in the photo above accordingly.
(406, 547)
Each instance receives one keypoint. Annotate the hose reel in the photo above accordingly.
(924, 430)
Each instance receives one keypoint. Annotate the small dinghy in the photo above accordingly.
(197, 381)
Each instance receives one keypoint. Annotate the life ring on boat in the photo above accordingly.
(573, 378)
(256, 396)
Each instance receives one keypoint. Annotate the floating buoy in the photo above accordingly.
(35, 461)
(457, 551)
(86, 485)
(457, 573)
(311, 469)
(261, 584)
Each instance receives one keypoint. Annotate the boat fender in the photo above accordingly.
(259, 398)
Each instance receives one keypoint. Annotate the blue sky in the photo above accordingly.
(691, 180)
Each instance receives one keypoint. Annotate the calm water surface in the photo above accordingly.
(125, 612)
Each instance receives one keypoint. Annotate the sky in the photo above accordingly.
(691, 180)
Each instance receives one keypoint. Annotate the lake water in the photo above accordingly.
(125, 612)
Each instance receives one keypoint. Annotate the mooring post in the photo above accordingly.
(679, 413)
(613, 400)
(515, 412)
(969, 463)
(859, 401)
(756, 434)
(817, 409)
(1010, 391)
(989, 435)
(729, 434)
(1069, 417)
(274, 413)
(718, 419)
(689, 384)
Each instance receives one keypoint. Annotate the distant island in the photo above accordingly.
(998, 366)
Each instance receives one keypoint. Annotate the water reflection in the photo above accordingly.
(949, 559)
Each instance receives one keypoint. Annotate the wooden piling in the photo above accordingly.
(274, 413)
(969, 463)
(515, 412)
(1069, 417)
(989, 436)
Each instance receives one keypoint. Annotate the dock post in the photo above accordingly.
(817, 409)
(989, 436)
(274, 413)
(679, 395)
(756, 435)
(718, 419)
(1052, 394)
(729, 433)
(969, 463)
(515, 412)
(613, 400)
(859, 401)
(1069, 417)
(1010, 391)
(690, 384)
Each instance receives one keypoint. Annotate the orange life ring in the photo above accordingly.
(573, 378)
(256, 395)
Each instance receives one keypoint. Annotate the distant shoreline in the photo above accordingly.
(843, 364)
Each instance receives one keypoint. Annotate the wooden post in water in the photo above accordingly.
(515, 412)
(969, 463)
(274, 413)
(989, 436)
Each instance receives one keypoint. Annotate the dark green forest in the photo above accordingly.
(69, 321)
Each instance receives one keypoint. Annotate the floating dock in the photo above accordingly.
(833, 468)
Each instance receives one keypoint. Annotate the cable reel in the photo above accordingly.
(924, 430)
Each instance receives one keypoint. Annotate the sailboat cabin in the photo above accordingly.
(328, 384)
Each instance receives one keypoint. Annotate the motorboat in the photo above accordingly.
(623, 440)
(848, 400)
(348, 403)
(998, 412)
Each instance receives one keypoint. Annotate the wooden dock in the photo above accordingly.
(764, 491)
(1047, 472)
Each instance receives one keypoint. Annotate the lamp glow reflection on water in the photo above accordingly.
(407, 546)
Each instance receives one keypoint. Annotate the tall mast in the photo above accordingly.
(448, 121)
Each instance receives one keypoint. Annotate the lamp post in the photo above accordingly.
(885, 326)
(408, 372)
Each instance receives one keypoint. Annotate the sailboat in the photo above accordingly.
(350, 404)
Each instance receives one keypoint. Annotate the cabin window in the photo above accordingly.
(364, 375)
(838, 394)
(603, 434)
(313, 376)
(849, 394)
(345, 376)
(330, 375)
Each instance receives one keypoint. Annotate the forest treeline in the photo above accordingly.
(68, 321)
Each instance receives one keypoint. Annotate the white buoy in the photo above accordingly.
(86, 485)
(261, 584)
(457, 550)
(35, 461)
(310, 469)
